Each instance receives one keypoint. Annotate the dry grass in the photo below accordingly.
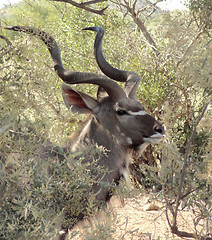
(133, 220)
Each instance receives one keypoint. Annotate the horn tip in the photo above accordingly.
(8, 27)
(14, 28)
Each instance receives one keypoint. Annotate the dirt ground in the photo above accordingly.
(135, 219)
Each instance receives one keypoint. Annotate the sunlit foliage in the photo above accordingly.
(35, 185)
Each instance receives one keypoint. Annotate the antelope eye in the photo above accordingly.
(122, 112)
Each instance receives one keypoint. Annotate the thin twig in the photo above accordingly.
(179, 195)
(187, 104)
(132, 11)
(190, 45)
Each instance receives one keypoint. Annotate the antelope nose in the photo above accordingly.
(159, 129)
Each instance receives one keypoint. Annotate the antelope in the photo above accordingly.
(119, 122)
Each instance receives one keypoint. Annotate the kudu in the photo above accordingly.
(119, 123)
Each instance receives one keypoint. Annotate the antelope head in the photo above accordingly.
(116, 110)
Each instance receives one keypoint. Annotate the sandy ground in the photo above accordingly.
(136, 219)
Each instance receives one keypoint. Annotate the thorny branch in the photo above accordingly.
(174, 211)
(84, 5)
(187, 104)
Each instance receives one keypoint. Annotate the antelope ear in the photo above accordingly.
(101, 93)
(78, 102)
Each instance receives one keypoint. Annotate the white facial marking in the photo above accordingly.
(118, 128)
(157, 135)
(140, 113)
(122, 134)
(129, 140)
(155, 138)
(142, 147)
